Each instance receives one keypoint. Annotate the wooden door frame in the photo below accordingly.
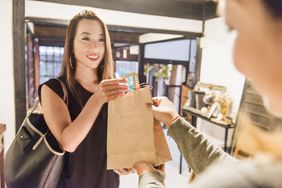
(19, 60)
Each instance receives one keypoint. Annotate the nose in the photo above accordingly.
(93, 45)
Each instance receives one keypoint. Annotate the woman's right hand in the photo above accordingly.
(164, 110)
(110, 89)
(143, 167)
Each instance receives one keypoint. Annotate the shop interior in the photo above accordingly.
(181, 48)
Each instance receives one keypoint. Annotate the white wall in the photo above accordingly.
(217, 64)
(66, 12)
(7, 109)
(217, 68)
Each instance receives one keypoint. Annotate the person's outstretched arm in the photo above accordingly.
(149, 176)
(193, 145)
(195, 148)
(151, 180)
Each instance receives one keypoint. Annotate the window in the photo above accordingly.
(51, 58)
(123, 68)
(178, 50)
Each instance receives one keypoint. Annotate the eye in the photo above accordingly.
(101, 40)
(85, 39)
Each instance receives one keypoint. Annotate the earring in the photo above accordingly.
(71, 65)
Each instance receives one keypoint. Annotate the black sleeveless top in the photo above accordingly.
(86, 167)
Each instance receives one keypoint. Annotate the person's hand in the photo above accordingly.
(124, 171)
(164, 110)
(110, 89)
(144, 167)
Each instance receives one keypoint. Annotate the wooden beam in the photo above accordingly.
(41, 31)
(188, 9)
(133, 31)
(19, 60)
(47, 21)
(165, 62)
(132, 38)
(142, 77)
(150, 30)
(198, 60)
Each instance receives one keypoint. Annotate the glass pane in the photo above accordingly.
(125, 67)
(172, 50)
(50, 61)
(42, 68)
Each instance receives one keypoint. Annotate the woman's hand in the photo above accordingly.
(164, 110)
(124, 171)
(144, 167)
(110, 89)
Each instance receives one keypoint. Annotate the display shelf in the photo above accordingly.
(224, 125)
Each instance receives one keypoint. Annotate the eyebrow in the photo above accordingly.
(86, 33)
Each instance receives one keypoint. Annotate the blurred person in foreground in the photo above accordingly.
(257, 54)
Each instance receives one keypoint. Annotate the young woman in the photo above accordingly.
(257, 54)
(81, 126)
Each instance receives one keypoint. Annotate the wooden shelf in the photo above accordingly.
(197, 114)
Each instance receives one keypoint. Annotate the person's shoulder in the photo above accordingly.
(54, 84)
(50, 81)
(243, 173)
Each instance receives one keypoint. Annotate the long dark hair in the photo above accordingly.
(105, 68)
(274, 7)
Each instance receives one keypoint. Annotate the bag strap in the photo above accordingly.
(35, 104)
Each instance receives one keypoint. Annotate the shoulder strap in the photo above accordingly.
(34, 106)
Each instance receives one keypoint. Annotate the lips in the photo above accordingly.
(93, 57)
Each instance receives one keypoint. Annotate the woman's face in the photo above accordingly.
(89, 45)
(257, 48)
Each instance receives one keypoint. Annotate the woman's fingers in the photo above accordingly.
(158, 100)
(114, 93)
(114, 88)
(124, 171)
(115, 85)
(114, 81)
(161, 168)
(118, 171)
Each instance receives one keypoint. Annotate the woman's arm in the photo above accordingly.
(194, 146)
(151, 180)
(196, 149)
(149, 176)
(71, 133)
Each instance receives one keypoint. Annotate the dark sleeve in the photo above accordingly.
(53, 84)
(195, 147)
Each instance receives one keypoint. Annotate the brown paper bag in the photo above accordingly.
(162, 150)
(130, 135)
